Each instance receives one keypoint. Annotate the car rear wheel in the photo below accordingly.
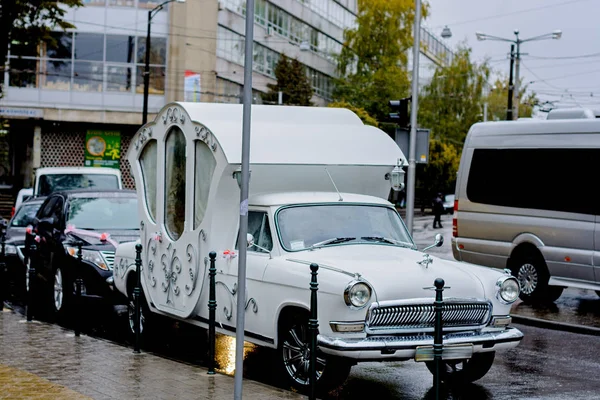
(294, 358)
(464, 371)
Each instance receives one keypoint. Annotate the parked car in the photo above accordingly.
(375, 301)
(54, 179)
(448, 203)
(15, 244)
(23, 195)
(99, 220)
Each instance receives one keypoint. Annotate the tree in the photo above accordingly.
(362, 114)
(449, 105)
(292, 81)
(373, 63)
(31, 21)
(497, 100)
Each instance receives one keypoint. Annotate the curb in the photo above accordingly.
(555, 325)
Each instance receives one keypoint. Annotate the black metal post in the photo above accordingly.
(313, 328)
(78, 283)
(212, 307)
(438, 346)
(30, 248)
(147, 71)
(4, 286)
(137, 291)
(509, 110)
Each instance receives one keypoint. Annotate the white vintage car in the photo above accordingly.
(375, 298)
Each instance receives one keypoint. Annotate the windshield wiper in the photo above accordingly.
(386, 240)
(331, 241)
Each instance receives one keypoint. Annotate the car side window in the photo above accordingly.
(57, 212)
(258, 227)
(260, 231)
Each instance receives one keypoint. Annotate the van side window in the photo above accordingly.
(542, 179)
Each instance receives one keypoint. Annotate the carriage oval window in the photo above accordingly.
(175, 183)
(204, 168)
(148, 165)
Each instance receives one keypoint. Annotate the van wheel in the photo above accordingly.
(532, 274)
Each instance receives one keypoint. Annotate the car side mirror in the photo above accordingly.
(250, 239)
(45, 224)
(437, 242)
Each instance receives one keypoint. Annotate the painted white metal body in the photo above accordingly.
(292, 150)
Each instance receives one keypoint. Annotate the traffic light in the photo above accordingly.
(400, 116)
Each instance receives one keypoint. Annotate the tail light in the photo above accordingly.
(454, 220)
(12, 212)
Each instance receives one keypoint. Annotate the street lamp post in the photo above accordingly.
(151, 15)
(518, 41)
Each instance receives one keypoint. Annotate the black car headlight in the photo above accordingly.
(92, 256)
(357, 294)
(507, 289)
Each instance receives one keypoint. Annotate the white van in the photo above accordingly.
(53, 179)
(526, 200)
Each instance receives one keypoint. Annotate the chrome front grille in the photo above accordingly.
(410, 317)
(109, 256)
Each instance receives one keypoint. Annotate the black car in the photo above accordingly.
(15, 244)
(98, 220)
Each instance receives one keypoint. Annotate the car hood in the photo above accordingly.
(15, 236)
(91, 238)
(394, 273)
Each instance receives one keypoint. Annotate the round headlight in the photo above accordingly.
(357, 294)
(508, 289)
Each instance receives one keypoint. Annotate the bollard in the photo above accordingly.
(438, 346)
(313, 327)
(212, 307)
(137, 292)
(4, 286)
(30, 248)
(78, 283)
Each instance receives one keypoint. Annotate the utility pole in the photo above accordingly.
(517, 76)
(412, 142)
(509, 109)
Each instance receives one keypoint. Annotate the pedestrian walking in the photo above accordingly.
(438, 208)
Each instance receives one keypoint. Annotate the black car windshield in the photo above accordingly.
(103, 213)
(25, 215)
(56, 182)
(301, 227)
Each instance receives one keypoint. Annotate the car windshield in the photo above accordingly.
(25, 215)
(56, 182)
(301, 227)
(103, 213)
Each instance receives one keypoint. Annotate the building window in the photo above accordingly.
(89, 46)
(120, 48)
(118, 78)
(88, 76)
(175, 183)
(156, 83)
(94, 2)
(122, 3)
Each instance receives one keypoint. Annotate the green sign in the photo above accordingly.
(103, 149)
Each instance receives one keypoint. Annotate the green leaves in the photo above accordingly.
(373, 62)
(292, 81)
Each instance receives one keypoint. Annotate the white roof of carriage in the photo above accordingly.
(296, 135)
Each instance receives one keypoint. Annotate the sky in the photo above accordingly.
(564, 71)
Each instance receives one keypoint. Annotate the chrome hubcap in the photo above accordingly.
(528, 278)
(58, 289)
(132, 317)
(296, 355)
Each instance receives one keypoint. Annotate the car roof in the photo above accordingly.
(285, 198)
(95, 193)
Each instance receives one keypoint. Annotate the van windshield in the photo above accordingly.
(56, 182)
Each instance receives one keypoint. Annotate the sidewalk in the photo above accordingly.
(44, 361)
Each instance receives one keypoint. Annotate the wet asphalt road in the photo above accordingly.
(548, 364)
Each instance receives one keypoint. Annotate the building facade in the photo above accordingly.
(89, 82)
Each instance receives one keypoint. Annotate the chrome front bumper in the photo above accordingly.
(380, 347)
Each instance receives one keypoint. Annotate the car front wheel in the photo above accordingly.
(61, 296)
(464, 371)
(294, 358)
